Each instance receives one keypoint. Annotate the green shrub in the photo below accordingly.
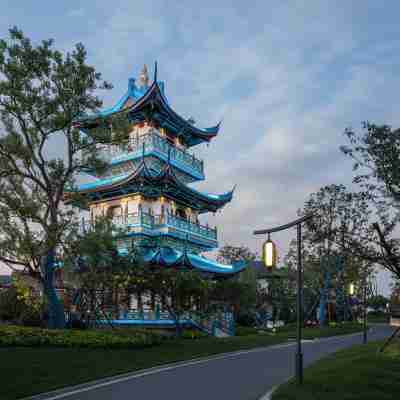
(19, 309)
(193, 334)
(11, 308)
(246, 319)
(245, 330)
(100, 338)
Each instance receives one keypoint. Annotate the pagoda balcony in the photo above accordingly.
(165, 224)
(153, 143)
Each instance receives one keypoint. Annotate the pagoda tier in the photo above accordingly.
(144, 103)
(153, 184)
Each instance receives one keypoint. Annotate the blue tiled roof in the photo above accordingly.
(143, 171)
(145, 96)
(169, 257)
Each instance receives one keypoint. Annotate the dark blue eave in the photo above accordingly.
(119, 185)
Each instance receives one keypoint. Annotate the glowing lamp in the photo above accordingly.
(351, 289)
(269, 254)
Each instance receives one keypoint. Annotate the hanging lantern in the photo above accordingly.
(351, 289)
(269, 253)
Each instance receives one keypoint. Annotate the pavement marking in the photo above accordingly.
(267, 396)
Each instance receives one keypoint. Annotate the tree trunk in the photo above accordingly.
(55, 306)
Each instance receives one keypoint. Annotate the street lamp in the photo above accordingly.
(269, 259)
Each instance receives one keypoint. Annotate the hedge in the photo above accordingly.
(11, 335)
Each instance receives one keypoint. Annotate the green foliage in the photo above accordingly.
(341, 222)
(340, 227)
(11, 308)
(231, 254)
(175, 288)
(193, 334)
(23, 336)
(236, 293)
(246, 319)
(377, 301)
(244, 330)
(19, 306)
(43, 96)
(375, 152)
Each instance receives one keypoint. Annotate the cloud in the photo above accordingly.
(76, 12)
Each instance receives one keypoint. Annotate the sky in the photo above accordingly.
(285, 77)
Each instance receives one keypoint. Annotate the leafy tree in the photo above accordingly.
(282, 294)
(340, 226)
(95, 266)
(376, 155)
(230, 254)
(378, 301)
(11, 307)
(239, 292)
(18, 305)
(177, 290)
(42, 93)
(241, 296)
(395, 294)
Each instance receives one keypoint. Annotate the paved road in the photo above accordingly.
(243, 376)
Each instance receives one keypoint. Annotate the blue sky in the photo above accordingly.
(286, 77)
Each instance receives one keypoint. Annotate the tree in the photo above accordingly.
(240, 291)
(334, 240)
(395, 294)
(42, 93)
(178, 290)
(378, 301)
(230, 254)
(376, 155)
(95, 267)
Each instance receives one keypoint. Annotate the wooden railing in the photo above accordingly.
(157, 221)
(148, 142)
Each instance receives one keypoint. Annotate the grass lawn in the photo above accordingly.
(318, 332)
(378, 318)
(26, 371)
(358, 373)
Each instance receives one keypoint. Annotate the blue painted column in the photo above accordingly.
(56, 307)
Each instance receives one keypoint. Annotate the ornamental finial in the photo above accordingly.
(155, 71)
(144, 77)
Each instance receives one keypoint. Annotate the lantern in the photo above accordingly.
(351, 289)
(269, 254)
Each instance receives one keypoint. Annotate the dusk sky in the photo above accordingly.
(285, 77)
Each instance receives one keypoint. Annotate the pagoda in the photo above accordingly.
(146, 186)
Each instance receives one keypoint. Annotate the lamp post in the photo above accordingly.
(269, 258)
(365, 310)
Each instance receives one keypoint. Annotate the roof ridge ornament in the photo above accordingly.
(155, 72)
(144, 77)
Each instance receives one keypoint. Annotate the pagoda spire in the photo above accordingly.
(155, 71)
(144, 77)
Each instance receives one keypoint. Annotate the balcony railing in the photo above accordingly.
(151, 141)
(157, 222)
